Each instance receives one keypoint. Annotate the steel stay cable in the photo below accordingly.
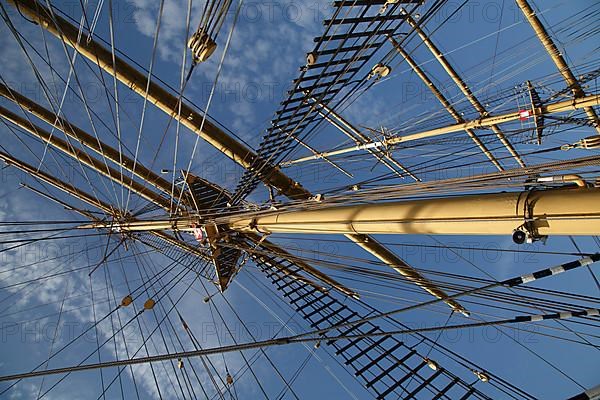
(387, 275)
(78, 96)
(491, 298)
(13, 130)
(562, 324)
(441, 311)
(249, 182)
(284, 326)
(114, 114)
(40, 222)
(213, 87)
(554, 306)
(26, 241)
(46, 276)
(290, 317)
(108, 282)
(152, 268)
(30, 290)
(169, 298)
(45, 304)
(404, 244)
(182, 84)
(107, 254)
(495, 296)
(230, 333)
(94, 20)
(204, 360)
(83, 170)
(95, 328)
(139, 325)
(432, 344)
(54, 336)
(588, 267)
(312, 336)
(69, 75)
(225, 387)
(509, 283)
(456, 357)
(442, 284)
(447, 53)
(280, 375)
(22, 232)
(124, 340)
(117, 114)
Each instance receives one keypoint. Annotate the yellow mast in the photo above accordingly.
(542, 213)
(563, 211)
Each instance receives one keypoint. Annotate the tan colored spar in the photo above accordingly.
(358, 137)
(553, 108)
(91, 200)
(127, 182)
(108, 209)
(523, 215)
(548, 212)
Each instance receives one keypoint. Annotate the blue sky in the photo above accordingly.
(268, 46)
